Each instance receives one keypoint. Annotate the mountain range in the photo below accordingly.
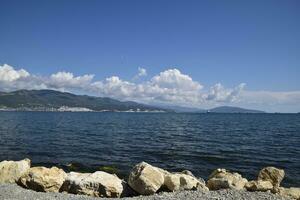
(51, 100)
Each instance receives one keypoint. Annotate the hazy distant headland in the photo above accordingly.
(220, 109)
(51, 100)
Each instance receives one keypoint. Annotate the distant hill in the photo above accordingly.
(182, 109)
(221, 109)
(229, 109)
(50, 99)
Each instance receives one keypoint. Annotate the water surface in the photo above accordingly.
(197, 142)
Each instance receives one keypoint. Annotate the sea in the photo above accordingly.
(115, 142)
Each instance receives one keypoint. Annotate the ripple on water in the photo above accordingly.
(197, 142)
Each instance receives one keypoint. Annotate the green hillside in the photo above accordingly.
(56, 99)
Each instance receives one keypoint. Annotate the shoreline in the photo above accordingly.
(20, 180)
(85, 111)
(146, 111)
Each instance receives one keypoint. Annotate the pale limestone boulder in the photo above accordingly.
(11, 171)
(259, 185)
(146, 179)
(222, 179)
(43, 179)
(181, 181)
(272, 174)
(97, 184)
(292, 192)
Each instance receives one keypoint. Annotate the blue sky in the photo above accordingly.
(228, 42)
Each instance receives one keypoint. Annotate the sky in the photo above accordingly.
(190, 53)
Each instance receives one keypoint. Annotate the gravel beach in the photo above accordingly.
(14, 192)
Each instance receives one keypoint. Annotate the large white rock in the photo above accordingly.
(43, 179)
(272, 174)
(259, 185)
(292, 192)
(222, 179)
(98, 184)
(146, 179)
(11, 171)
(181, 181)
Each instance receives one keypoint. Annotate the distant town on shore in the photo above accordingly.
(56, 101)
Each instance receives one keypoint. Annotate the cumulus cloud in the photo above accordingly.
(114, 87)
(65, 80)
(174, 79)
(168, 87)
(9, 74)
(11, 79)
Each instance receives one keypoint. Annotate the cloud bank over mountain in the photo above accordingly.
(168, 87)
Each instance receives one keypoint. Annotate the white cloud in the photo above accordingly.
(221, 94)
(11, 79)
(174, 79)
(168, 87)
(114, 87)
(9, 74)
(65, 80)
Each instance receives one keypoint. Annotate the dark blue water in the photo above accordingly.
(197, 142)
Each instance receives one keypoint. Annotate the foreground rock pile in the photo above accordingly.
(144, 179)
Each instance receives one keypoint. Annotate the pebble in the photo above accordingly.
(15, 192)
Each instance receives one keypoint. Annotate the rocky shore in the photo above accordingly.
(14, 192)
(18, 180)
